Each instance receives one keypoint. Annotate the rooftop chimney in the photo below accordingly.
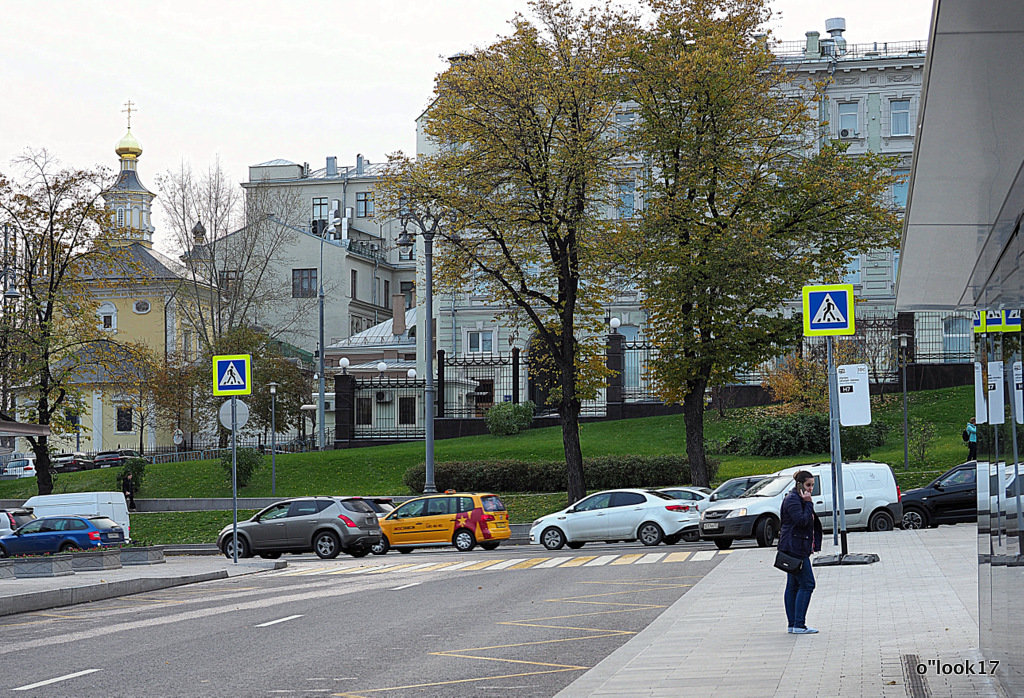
(359, 164)
(813, 47)
(398, 314)
(332, 166)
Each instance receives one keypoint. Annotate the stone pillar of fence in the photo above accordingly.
(440, 383)
(615, 361)
(515, 375)
(344, 409)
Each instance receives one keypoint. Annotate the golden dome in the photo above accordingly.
(128, 146)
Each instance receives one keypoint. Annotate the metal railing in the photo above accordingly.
(389, 408)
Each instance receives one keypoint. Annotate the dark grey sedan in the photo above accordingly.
(326, 526)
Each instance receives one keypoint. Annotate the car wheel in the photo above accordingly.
(69, 548)
(243, 548)
(914, 518)
(649, 533)
(765, 532)
(692, 536)
(359, 552)
(881, 521)
(3, 551)
(673, 539)
(723, 543)
(381, 547)
(463, 540)
(404, 551)
(575, 545)
(326, 545)
(270, 556)
(552, 538)
(490, 545)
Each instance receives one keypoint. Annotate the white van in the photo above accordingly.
(109, 504)
(869, 488)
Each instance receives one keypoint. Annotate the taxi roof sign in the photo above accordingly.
(232, 374)
(828, 310)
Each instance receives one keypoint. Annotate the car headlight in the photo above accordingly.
(535, 523)
(736, 512)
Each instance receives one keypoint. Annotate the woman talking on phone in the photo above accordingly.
(800, 536)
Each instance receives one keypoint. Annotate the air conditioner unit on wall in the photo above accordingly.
(847, 133)
(384, 396)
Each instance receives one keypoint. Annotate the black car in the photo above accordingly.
(71, 462)
(110, 459)
(950, 498)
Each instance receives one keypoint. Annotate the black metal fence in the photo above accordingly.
(389, 408)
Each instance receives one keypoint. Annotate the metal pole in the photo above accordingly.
(320, 279)
(234, 483)
(428, 340)
(906, 448)
(273, 443)
(837, 451)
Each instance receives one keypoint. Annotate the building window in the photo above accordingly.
(851, 274)
(848, 120)
(320, 209)
(364, 411)
(407, 410)
(303, 283)
(956, 339)
(120, 217)
(899, 117)
(108, 316)
(406, 289)
(900, 187)
(895, 265)
(480, 341)
(355, 283)
(364, 204)
(124, 419)
(186, 344)
(387, 294)
(141, 307)
(624, 120)
(230, 280)
(627, 197)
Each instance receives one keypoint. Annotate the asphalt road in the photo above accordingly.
(436, 623)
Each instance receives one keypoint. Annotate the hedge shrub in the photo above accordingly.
(808, 433)
(602, 473)
(135, 466)
(247, 462)
(506, 418)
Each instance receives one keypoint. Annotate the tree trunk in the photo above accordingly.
(44, 476)
(569, 414)
(693, 417)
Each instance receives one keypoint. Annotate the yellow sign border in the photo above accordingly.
(247, 359)
(848, 330)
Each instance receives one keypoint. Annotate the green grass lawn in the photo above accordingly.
(379, 470)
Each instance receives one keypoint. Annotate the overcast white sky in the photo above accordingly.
(249, 81)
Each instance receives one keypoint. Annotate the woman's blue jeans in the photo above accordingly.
(799, 587)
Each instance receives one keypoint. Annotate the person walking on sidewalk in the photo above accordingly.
(972, 439)
(799, 536)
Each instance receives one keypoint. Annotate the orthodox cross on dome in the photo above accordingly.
(128, 108)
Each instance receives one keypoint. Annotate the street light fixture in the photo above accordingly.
(343, 362)
(335, 221)
(405, 240)
(273, 437)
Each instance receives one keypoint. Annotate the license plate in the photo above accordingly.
(114, 536)
(710, 526)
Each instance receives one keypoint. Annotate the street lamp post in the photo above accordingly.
(335, 220)
(273, 437)
(405, 240)
(11, 293)
(903, 360)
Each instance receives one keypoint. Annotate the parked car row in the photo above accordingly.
(357, 526)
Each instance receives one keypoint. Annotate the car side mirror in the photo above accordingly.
(938, 487)
(713, 498)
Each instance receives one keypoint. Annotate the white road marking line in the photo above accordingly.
(419, 567)
(649, 558)
(703, 555)
(279, 620)
(603, 560)
(507, 563)
(553, 562)
(460, 566)
(406, 586)
(59, 678)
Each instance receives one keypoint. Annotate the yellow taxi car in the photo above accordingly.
(462, 519)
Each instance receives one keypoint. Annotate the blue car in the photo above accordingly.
(61, 534)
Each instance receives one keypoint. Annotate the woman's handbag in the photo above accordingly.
(788, 563)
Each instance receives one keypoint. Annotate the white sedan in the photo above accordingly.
(645, 515)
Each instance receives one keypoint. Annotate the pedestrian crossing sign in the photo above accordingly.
(828, 310)
(1011, 321)
(978, 321)
(232, 374)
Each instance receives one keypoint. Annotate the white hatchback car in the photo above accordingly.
(18, 468)
(645, 515)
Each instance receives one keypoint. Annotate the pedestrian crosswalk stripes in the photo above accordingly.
(516, 563)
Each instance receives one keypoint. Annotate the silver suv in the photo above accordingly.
(11, 519)
(324, 525)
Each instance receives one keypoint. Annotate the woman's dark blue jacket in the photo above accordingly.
(801, 531)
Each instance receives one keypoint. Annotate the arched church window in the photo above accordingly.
(120, 217)
(107, 313)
